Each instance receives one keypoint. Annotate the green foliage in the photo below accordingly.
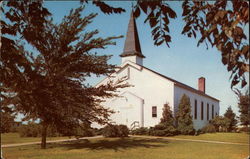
(221, 24)
(229, 114)
(220, 123)
(167, 115)
(166, 126)
(49, 85)
(97, 131)
(115, 131)
(140, 131)
(163, 130)
(244, 107)
(209, 128)
(34, 130)
(184, 118)
(7, 121)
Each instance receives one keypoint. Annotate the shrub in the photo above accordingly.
(198, 132)
(97, 131)
(30, 130)
(83, 132)
(209, 128)
(163, 130)
(34, 130)
(140, 131)
(122, 130)
(115, 131)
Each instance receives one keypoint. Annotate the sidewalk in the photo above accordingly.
(152, 137)
(51, 141)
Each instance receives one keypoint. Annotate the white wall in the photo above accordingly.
(135, 59)
(153, 89)
(198, 123)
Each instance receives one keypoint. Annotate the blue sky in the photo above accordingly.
(183, 61)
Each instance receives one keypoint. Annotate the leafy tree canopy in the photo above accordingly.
(48, 82)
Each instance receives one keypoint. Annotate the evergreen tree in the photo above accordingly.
(167, 115)
(183, 116)
(229, 114)
(244, 107)
(48, 82)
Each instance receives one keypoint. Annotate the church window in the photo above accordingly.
(201, 110)
(212, 111)
(207, 111)
(154, 111)
(195, 109)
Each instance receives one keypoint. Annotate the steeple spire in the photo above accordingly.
(132, 44)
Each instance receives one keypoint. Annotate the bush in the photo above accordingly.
(83, 132)
(140, 131)
(163, 130)
(115, 131)
(97, 131)
(30, 130)
(198, 132)
(34, 130)
(209, 128)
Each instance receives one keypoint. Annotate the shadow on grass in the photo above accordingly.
(117, 144)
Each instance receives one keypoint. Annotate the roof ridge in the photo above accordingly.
(179, 83)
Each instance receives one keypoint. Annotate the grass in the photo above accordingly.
(13, 138)
(134, 148)
(224, 137)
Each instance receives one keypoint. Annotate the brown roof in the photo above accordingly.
(132, 43)
(182, 85)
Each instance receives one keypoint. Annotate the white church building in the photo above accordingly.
(142, 103)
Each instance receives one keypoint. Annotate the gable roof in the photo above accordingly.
(132, 44)
(181, 84)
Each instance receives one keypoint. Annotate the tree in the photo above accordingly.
(48, 82)
(183, 116)
(7, 121)
(167, 115)
(220, 123)
(244, 108)
(229, 114)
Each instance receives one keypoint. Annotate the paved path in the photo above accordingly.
(152, 137)
(51, 141)
(192, 140)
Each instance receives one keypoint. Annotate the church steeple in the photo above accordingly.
(132, 48)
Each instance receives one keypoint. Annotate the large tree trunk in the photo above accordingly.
(44, 135)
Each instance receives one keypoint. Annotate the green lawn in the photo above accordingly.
(225, 137)
(132, 148)
(13, 138)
